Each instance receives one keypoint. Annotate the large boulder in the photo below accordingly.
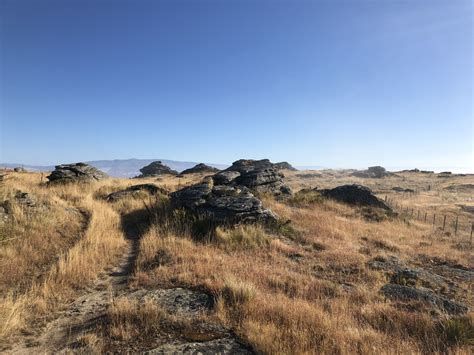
(78, 172)
(284, 165)
(222, 203)
(157, 168)
(257, 175)
(375, 172)
(136, 190)
(355, 195)
(200, 168)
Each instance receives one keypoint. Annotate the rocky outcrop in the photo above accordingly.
(257, 175)
(157, 168)
(200, 168)
(78, 172)
(284, 165)
(222, 203)
(136, 190)
(375, 172)
(355, 195)
(19, 169)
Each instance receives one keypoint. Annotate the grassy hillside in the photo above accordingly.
(308, 285)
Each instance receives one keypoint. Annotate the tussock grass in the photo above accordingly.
(304, 287)
(128, 318)
(51, 253)
(246, 237)
(306, 292)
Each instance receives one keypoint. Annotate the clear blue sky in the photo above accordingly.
(332, 83)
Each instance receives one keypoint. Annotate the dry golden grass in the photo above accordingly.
(74, 268)
(302, 288)
(309, 290)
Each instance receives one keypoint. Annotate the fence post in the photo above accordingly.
(434, 219)
(411, 213)
(472, 229)
(456, 226)
(426, 215)
(418, 218)
(385, 198)
(444, 222)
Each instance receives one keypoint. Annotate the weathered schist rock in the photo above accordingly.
(408, 284)
(200, 168)
(136, 190)
(19, 169)
(355, 195)
(23, 199)
(222, 203)
(257, 175)
(78, 172)
(375, 172)
(284, 165)
(157, 168)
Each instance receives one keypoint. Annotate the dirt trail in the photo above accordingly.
(86, 311)
(63, 334)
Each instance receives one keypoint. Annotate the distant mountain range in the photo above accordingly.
(122, 168)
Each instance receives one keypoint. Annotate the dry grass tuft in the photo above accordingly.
(128, 318)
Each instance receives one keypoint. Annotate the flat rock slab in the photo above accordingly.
(218, 346)
(407, 293)
(136, 190)
(178, 301)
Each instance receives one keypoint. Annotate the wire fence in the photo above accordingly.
(459, 225)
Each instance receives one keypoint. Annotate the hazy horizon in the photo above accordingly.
(327, 83)
(436, 169)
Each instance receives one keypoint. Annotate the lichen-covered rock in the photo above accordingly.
(157, 168)
(222, 204)
(355, 195)
(200, 168)
(178, 301)
(257, 175)
(136, 190)
(78, 172)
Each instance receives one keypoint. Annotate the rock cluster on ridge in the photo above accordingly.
(78, 172)
(157, 168)
(376, 172)
(284, 165)
(257, 175)
(200, 168)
